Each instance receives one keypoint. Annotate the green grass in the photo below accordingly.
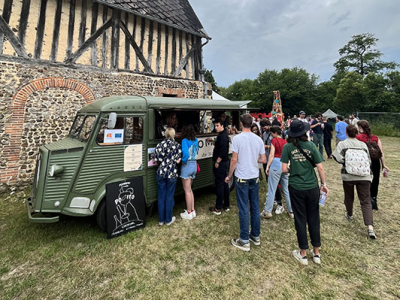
(73, 259)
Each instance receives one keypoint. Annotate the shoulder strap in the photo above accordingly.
(306, 156)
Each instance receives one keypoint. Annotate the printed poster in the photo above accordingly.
(133, 158)
(114, 136)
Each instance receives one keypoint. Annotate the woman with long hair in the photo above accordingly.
(254, 129)
(167, 153)
(276, 176)
(304, 191)
(190, 149)
(367, 137)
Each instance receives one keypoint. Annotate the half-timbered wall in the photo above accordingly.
(87, 33)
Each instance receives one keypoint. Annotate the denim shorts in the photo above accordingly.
(189, 170)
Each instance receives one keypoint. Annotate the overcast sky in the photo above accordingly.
(249, 36)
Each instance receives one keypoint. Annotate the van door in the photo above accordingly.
(115, 154)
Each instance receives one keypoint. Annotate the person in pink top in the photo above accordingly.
(276, 176)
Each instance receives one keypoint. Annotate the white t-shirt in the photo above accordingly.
(249, 147)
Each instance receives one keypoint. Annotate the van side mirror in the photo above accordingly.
(112, 119)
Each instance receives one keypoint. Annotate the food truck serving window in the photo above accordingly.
(127, 131)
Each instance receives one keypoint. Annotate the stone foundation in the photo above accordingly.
(38, 104)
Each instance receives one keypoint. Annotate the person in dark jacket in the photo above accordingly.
(328, 133)
(220, 168)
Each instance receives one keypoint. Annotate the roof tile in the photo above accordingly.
(177, 13)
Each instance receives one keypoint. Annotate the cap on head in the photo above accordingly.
(302, 112)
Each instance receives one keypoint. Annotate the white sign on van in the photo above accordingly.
(114, 136)
(133, 158)
(206, 148)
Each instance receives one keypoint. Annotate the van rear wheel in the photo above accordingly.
(231, 183)
(101, 218)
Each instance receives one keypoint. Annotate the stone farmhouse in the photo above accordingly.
(56, 56)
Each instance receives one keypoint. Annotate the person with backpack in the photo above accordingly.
(374, 145)
(356, 172)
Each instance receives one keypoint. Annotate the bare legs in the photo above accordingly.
(187, 187)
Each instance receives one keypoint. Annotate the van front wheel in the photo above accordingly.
(101, 218)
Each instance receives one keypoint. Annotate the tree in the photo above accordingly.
(208, 76)
(350, 93)
(360, 56)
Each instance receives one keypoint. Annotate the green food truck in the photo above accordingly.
(111, 140)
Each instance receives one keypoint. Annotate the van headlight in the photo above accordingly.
(56, 170)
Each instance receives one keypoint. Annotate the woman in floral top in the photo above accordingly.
(168, 153)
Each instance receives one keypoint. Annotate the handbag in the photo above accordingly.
(198, 168)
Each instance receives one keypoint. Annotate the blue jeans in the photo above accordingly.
(275, 176)
(166, 191)
(318, 140)
(247, 191)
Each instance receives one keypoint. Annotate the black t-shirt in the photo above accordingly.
(221, 148)
(327, 131)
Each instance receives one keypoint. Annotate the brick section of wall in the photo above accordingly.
(33, 95)
(14, 128)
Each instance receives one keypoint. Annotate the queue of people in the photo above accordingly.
(289, 163)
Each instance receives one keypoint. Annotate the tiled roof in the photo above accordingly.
(174, 13)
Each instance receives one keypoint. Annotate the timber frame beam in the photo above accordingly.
(14, 41)
(136, 48)
(74, 56)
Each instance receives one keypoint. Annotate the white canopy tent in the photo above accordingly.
(329, 114)
(216, 96)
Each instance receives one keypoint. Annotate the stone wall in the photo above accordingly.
(38, 103)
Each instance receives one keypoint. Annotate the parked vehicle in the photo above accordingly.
(112, 140)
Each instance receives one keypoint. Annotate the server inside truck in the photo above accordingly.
(201, 120)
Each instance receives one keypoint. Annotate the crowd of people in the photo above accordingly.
(288, 159)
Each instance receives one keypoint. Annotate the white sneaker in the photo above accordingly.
(279, 209)
(160, 223)
(187, 216)
(193, 213)
(172, 221)
(298, 257)
(316, 258)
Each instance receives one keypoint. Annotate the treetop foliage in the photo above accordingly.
(362, 82)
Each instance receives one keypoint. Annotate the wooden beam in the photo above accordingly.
(150, 44)
(139, 53)
(40, 30)
(187, 47)
(93, 51)
(127, 47)
(82, 26)
(134, 35)
(158, 59)
(185, 60)
(116, 19)
(7, 7)
(104, 44)
(71, 24)
(166, 50)
(74, 57)
(193, 61)
(56, 31)
(14, 41)
(173, 59)
(23, 21)
(142, 31)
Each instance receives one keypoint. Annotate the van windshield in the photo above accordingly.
(82, 127)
